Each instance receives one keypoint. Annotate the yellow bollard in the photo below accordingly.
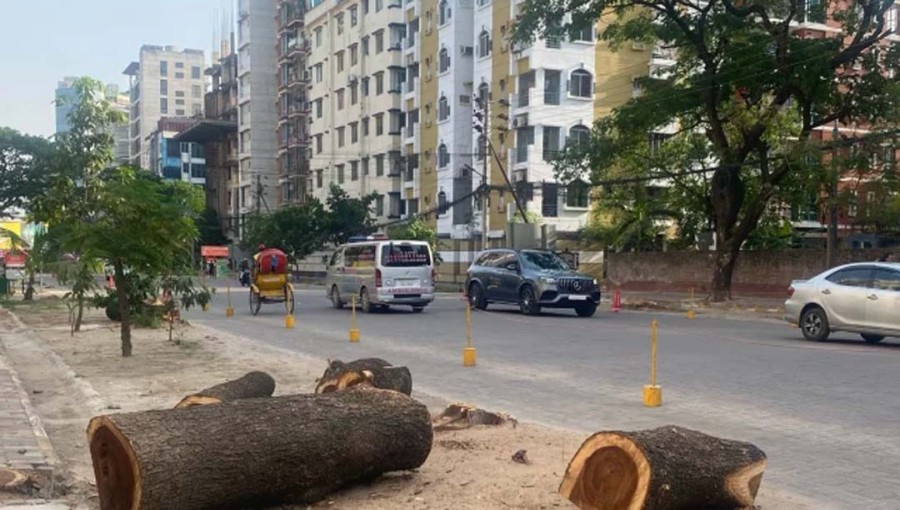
(652, 391)
(469, 351)
(288, 316)
(690, 315)
(354, 325)
(229, 310)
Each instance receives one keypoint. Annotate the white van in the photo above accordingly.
(381, 274)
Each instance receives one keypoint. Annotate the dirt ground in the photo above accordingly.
(74, 378)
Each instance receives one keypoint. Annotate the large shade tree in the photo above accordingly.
(752, 86)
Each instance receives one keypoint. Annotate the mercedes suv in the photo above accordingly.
(532, 279)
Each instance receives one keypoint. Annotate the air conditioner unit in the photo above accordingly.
(307, 75)
(520, 121)
(466, 51)
(351, 79)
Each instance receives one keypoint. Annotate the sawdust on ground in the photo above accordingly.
(467, 470)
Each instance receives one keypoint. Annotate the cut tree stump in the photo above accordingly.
(255, 452)
(668, 468)
(253, 385)
(381, 374)
(462, 416)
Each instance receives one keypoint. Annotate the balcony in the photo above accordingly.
(297, 142)
(290, 17)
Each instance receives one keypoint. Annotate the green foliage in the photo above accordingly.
(773, 233)
(532, 217)
(348, 217)
(417, 230)
(627, 221)
(745, 96)
(23, 161)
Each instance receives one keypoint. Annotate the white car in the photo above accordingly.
(860, 298)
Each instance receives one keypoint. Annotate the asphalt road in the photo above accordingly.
(827, 415)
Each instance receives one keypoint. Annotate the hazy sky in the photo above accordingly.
(44, 40)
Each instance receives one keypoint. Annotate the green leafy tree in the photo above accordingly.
(23, 167)
(298, 230)
(417, 230)
(627, 221)
(752, 87)
(143, 226)
(348, 217)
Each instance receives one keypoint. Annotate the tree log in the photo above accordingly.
(381, 374)
(255, 452)
(668, 468)
(253, 385)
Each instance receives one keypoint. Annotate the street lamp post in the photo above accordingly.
(832, 239)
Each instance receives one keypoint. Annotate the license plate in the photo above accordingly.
(408, 291)
(406, 283)
(578, 298)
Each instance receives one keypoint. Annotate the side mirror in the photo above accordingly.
(513, 266)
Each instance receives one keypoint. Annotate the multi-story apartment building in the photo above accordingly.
(176, 160)
(293, 102)
(357, 74)
(164, 82)
(67, 96)
(257, 112)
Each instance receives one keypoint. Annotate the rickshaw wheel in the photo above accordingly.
(289, 299)
(255, 302)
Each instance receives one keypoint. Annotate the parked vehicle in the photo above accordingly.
(860, 298)
(533, 279)
(381, 274)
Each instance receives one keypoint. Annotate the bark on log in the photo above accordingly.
(668, 468)
(383, 375)
(253, 385)
(255, 452)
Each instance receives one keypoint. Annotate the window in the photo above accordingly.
(365, 6)
(586, 34)
(339, 19)
(379, 205)
(354, 170)
(444, 12)
(354, 93)
(163, 105)
(443, 108)
(379, 165)
(549, 200)
(179, 102)
(579, 135)
(379, 41)
(339, 59)
(577, 194)
(318, 37)
(163, 68)
(852, 277)
(195, 72)
(379, 83)
(354, 54)
(164, 87)
(365, 126)
(444, 60)
(318, 178)
(552, 80)
(319, 108)
(379, 124)
(340, 99)
(196, 109)
(354, 132)
(365, 166)
(551, 142)
(340, 136)
(443, 156)
(886, 279)
(340, 174)
(852, 205)
(198, 171)
(319, 69)
(179, 75)
(580, 83)
(483, 94)
(365, 45)
(318, 144)
(379, 4)
(354, 16)
(179, 93)
(484, 44)
(195, 91)
(813, 11)
(364, 86)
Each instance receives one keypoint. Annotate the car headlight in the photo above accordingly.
(548, 280)
(595, 282)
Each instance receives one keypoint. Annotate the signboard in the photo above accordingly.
(13, 258)
(214, 252)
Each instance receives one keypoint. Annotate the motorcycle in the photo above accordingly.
(245, 278)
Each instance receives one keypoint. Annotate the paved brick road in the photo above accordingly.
(825, 414)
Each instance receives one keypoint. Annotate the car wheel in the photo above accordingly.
(336, 298)
(814, 324)
(476, 296)
(586, 309)
(418, 309)
(365, 303)
(872, 339)
(528, 301)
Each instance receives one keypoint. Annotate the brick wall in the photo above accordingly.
(758, 273)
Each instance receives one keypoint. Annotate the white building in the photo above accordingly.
(164, 82)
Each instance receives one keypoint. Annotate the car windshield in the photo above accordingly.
(544, 260)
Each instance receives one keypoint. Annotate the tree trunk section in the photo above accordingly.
(253, 385)
(29, 288)
(122, 288)
(377, 372)
(255, 452)
(80, 315)
(722, 274)
(668, 468)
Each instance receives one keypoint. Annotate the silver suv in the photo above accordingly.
(533, 279)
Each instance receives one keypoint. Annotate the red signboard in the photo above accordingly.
(220, 252)
(14, 258)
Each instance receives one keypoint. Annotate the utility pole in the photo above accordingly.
(834, 176)
(482, 116)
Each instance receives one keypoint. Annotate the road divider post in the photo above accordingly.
(469, 352)
(229, 310)
(617, 301)
(354, 325)
(652, 391)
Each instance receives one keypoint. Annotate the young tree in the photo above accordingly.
(417, 230)
(142, 226)
(745, 79)
(23, 161)
(348, 217)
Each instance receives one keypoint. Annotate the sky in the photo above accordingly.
(45, 40)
